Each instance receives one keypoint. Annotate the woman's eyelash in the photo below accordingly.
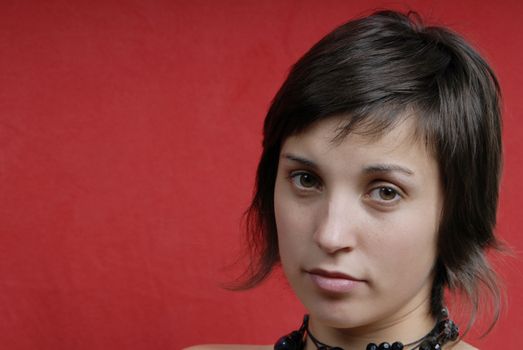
(304, 180)
(385, 194)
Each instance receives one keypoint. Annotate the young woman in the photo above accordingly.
(378, 184)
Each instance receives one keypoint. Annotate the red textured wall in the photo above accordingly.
(129, 137)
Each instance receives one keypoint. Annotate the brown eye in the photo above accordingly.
(387, 193)
(304, 180)
(384, 194)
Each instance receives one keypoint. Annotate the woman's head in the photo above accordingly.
(367, 208)
(371, 76)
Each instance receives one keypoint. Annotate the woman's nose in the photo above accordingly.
(337, 226)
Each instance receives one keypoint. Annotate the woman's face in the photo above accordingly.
(357, 223)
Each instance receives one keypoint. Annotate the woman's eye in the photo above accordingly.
(384, 194)
(304, 180)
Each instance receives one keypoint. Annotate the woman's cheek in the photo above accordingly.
(294, 223)
(407, 254)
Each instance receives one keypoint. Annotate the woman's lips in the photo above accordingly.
(335, 282)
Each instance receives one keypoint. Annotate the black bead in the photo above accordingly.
(284, 344)
(291, 341)
(436, 347)
(397, 346)
(443, 326)
(425, 345)
(384, 346)
(371, 346)
(454, 331)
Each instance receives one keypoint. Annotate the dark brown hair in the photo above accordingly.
(373, 70)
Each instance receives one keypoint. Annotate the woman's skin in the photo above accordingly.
(367, 207)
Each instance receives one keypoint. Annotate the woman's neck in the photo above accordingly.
(405, 326)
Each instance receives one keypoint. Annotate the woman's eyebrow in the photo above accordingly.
(386, 168)
(300, 160)
(370, 169)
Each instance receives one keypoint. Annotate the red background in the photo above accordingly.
(129, 137)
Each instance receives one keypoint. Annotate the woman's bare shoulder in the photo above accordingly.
(461, 345)
(230, 347)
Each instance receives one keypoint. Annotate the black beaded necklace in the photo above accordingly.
(444, 331)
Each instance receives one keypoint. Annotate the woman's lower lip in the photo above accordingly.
(336, 285)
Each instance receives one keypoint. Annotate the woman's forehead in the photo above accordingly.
(332, 132)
